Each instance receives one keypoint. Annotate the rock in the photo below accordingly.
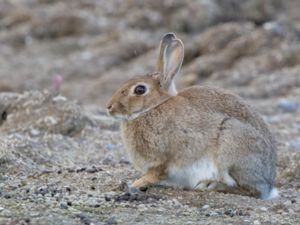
(85, 220)
(263, 209)
(288, 106)
(63, 205)
(256, 222)
(205, 207)
(110, 147)
(295, 145)
(111, 221)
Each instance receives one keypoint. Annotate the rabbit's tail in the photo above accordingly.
(272, 194)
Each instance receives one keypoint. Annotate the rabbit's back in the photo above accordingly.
(218, 100)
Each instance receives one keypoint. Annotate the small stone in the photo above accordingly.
(7, 196)
(107, 198)
(288, 106)
(94, 169)
(205, 207)
(85, 220)
(34, 132)
(110, 147)
(263, 209)
(212, 214)
(287, 203)
(230, 212)
(256, 222)
(71, 170)
(63, 205)
(295, 145)
(1, 209)
(68, 189)
(80, 170)
(111, 221)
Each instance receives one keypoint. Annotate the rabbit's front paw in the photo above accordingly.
(130, 188)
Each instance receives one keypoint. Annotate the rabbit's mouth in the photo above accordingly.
(132, 116)
(121, 117)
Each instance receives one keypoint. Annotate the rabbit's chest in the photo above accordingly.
(190, 176)
(143, 149)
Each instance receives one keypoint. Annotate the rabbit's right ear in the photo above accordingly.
(169, 62)
(167, 39)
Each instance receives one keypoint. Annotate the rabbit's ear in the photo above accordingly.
(167, 38)
(172, 61)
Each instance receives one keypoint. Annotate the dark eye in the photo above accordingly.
(140, 90)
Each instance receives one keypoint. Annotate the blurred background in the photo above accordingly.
(62, 160)
(251, 47)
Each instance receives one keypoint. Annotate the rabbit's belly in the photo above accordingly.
(191, 176)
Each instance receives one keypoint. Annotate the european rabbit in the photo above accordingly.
(195, 138)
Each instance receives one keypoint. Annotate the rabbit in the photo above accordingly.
(199, 138)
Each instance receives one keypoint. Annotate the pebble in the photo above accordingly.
(256, 222)
(263, 209)
(212, 214)
(288, 106)
(176, 203)
(230, 213)
(94, 169)
(63, 205)
(205, 207)
(34, 132)
(110, 147)
(107, 198)
(287, 203)
(111, 221)
(85, 220)
(1, 209)
(295, 145)
(68, 189)
(93, 188)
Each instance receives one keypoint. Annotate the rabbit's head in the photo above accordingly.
(143, 93)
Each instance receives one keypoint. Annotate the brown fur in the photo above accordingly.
(199, 122)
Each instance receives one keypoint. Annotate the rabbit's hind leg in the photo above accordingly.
(247, 156)
(250, 176)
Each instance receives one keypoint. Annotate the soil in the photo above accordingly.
(61, 158)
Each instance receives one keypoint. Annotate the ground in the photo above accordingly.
(61, 158)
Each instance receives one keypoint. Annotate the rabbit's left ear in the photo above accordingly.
(170, 62)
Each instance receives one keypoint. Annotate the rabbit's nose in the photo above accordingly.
(110, 108)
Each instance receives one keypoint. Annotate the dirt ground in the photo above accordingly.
(61, 157)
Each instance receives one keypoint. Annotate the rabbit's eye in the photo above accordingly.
(140, 90)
